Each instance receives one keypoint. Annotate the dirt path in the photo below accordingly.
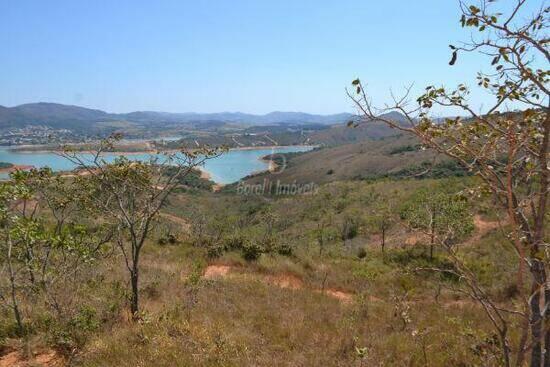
(216, 271)
(178, 220)
(44, 359)
(285, 281)
(482, 228)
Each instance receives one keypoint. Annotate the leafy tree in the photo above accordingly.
(444, 218)
(39, 257)
(508, 151)
(128, 196)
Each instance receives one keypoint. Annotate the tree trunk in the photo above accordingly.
(540, 229)
(13, 293)
(134, 301)
(383, 242)
(536, 319)
(432, 237)
(15, 307)
(546, 321)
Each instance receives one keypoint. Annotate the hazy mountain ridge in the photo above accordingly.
(68, 116)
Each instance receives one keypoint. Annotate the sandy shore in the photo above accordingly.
(15, 167)
(205, 175)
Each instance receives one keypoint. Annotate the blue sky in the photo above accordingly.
(253, 56)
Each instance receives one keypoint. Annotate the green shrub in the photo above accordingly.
(214, 251)
(417, 257)
(349, 229)
(233, 242)
(284, 249)
(269, 244)
(169, 239)
(404, 149)
(73, 334)
(251, 252)
(371, 269)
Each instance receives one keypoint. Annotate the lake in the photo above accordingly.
(228, 168)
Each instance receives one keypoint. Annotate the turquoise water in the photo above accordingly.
(229, 167)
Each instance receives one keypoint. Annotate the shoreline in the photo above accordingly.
(205, 175)
(271, 165)
(25, 149)
(16, 167)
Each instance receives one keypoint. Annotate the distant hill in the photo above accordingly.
(51, 114)
(267, 119)
(395, 156)
(293, 134)
(342, 134)
(75, 117)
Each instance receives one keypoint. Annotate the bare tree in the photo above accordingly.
(381, 218)
(508, 151)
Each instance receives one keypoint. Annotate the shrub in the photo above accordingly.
(269, 244)
(172, 239)
(404, 149)
(214, 251)
(349, 229)
(233, 242)
(73, 334)
(285, 250)
(169, 239)
(251, 252)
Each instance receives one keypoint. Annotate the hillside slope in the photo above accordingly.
(369, 158)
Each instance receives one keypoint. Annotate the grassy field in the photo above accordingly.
(210, 299)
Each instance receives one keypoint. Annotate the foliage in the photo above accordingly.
(251, 251)
(404, 148)
(40, 257)
(446, 216)
(129, 195)
(507, 150)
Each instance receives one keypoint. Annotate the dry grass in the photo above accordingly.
(306, 309)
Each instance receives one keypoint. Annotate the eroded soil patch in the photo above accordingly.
(285, 281)
(44, 359)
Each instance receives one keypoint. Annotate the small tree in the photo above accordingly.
(508, 151)
(41, 259)
(444, 218)
(381, 218)
(128, 195)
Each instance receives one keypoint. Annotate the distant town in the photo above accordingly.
(39, 134)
